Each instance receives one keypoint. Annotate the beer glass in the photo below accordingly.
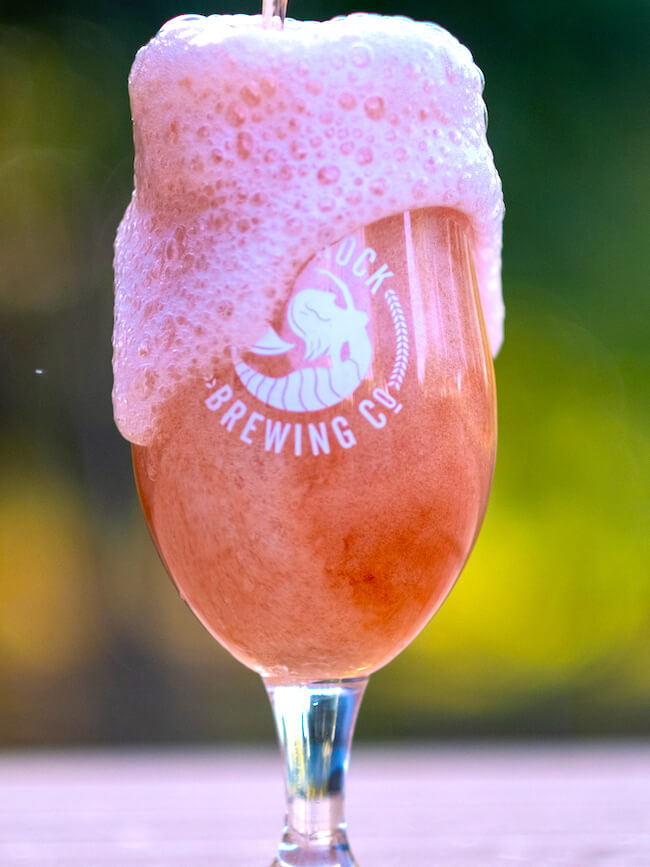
(316, 497)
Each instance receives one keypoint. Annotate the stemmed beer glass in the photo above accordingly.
(316, 497)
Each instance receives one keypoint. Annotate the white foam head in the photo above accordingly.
(254, 149)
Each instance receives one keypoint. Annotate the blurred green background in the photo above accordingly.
(547, 633)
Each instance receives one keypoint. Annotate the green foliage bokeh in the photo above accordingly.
(547, 632)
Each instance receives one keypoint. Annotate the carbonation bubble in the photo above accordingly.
(250, 93)
(267, 85)
(364, 156)
(347, 101)
(244, 145)
(360, 56)
(419, 190)
(412, 70)
(225, 309)
(374, 107)
(328, 175)
(235, 115)
(465, 183)
(298, 150)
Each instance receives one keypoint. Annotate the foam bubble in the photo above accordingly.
(256, 148)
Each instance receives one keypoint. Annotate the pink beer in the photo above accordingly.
(301, 358)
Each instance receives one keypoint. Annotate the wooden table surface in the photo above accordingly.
(419, 807)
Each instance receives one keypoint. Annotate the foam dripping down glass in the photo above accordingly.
(307, 381)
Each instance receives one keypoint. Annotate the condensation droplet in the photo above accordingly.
(374, 107)
(347, 147)
(378, 186)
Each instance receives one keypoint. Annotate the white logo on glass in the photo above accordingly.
(338, 352)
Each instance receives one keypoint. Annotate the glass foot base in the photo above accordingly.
(297, 851)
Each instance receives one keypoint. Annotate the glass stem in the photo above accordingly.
(315, 723)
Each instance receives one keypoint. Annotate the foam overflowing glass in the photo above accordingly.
(304, 370)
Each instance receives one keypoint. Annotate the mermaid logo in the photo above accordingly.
(337, 352)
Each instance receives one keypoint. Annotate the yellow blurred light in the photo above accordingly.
(47, 621)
